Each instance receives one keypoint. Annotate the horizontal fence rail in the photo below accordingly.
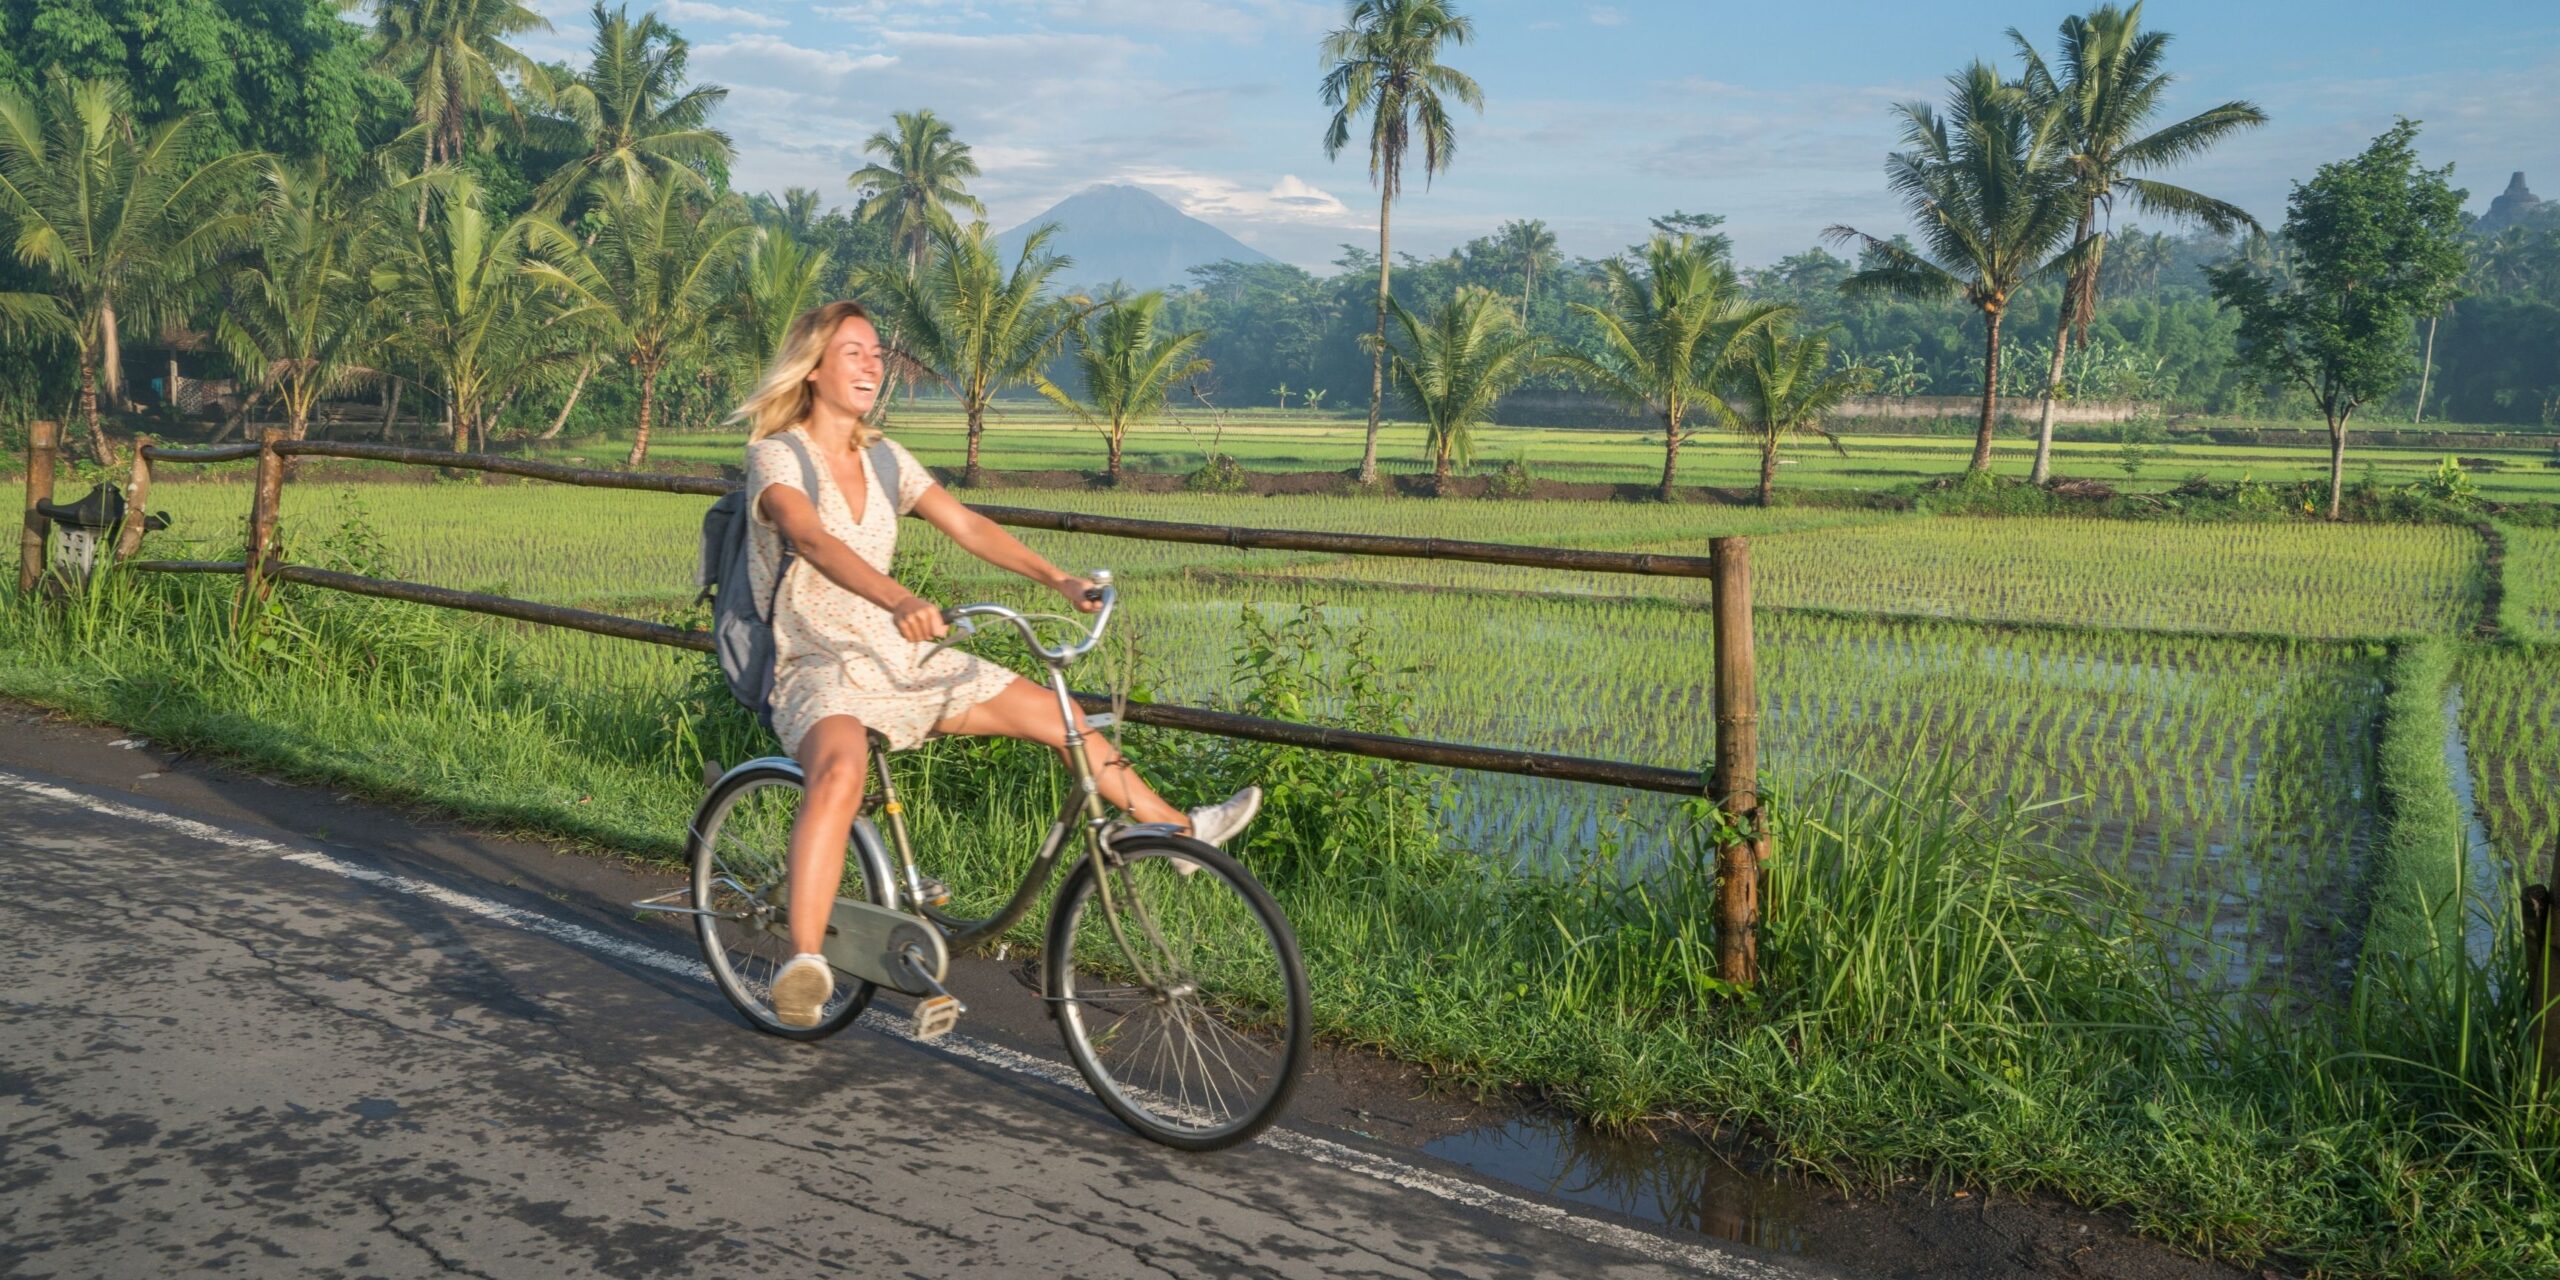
(1733, 783)
(1227, 724)
(1245, 539)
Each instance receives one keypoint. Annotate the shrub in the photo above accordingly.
(1221, 474)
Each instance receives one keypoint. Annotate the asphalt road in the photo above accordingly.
(228, 1047)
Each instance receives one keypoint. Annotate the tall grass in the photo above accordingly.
(1946, 993)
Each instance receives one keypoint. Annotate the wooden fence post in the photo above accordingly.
(43, 438)
(263, 501)
(1736, 781)
(137, 500)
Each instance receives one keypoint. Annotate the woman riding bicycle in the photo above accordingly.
(853, 650)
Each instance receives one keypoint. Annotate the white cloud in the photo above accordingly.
(1208, 196)
(1604, 15)
(756, 59)
(699, 11)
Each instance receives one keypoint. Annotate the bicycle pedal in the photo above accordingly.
(936, 1016)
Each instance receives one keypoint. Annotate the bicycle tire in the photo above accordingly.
(1096, 1008)
(743, 961)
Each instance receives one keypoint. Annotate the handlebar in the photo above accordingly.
(961, 619)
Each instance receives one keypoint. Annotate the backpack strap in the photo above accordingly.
(884, 464)
(808, 486)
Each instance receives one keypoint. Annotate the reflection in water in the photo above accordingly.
(1675, 1181)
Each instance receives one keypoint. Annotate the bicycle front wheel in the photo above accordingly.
(1181, 996)
(739, 849)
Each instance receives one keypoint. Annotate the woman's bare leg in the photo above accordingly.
(835, 757)
(1028, 712)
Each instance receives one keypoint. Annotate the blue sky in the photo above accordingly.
(1597, 116)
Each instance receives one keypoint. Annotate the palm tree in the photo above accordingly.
(454, 56)
(979, 326)
(1669, 336)
(1993, 204)
(781, 280)
(1456, 366)
(296, 311)
(650, 282)
(639, 122)
(464, 308)
(923, 179)
(1129, 368)
(2106, 87)
(1529, 243)
(109, 215)
(1783, 386)
(1386, 62)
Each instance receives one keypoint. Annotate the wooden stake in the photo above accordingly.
(263, 501)
(43, 438)
(136, 499)
(1736, 780)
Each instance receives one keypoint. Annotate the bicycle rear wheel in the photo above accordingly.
(739, 849)
(1181, 997)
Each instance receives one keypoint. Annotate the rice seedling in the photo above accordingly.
(2511, 725)
(2533, 583)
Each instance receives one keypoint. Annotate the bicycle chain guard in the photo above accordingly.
(873, 943)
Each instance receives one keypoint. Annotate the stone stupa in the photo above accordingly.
(2513, 207)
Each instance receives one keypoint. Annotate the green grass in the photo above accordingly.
(1947, 993)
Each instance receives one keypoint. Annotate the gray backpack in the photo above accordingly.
(741, 625)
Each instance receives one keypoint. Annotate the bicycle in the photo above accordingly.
(1173, 976)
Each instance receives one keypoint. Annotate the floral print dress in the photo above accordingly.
(835, 653)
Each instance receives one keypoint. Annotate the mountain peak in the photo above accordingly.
(1128, 234)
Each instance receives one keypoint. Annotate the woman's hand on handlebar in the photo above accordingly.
(919, 619)
(1079, 592)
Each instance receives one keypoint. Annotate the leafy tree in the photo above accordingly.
(463, 307)
(980, 326)
(2376, 242)
(1455, 367)
(1783, 386)
(295, 309)
(1669, 337)
(284, 76)
(640, 123)
(651, 281)
(1532, 245)
(2105, 87)
(109, 216)
(1992, 206)
(454, 56)
(1700, 227)
(1129, 365)
(1385, 62)
(921, 176)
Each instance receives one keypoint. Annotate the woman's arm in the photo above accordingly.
(988, 541)
(790, 510)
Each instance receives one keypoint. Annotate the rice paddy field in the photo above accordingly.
(2533, 583)
(1030, 436)
(2190, 705)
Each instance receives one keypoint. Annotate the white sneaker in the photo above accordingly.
(801, 990)
(1218, 823)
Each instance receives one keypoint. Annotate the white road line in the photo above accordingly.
(1323, 1151)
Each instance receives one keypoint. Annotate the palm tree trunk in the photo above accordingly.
(2426, 372)
(391, 405)
(648, 404)
(1378, 357)
(111, 357)
(457, 427)
(169, 396)
(977, 425)
(1115, 454)
(575, 388)
(2052, 385)
(1990, 392)
(1768, 468)
(1670, 450)
(99, 447)
(238, 417)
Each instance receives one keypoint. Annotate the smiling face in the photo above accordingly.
(848, 375)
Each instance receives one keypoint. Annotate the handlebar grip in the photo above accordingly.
(1093, 594)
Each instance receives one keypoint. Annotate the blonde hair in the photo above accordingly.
(782, 397)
